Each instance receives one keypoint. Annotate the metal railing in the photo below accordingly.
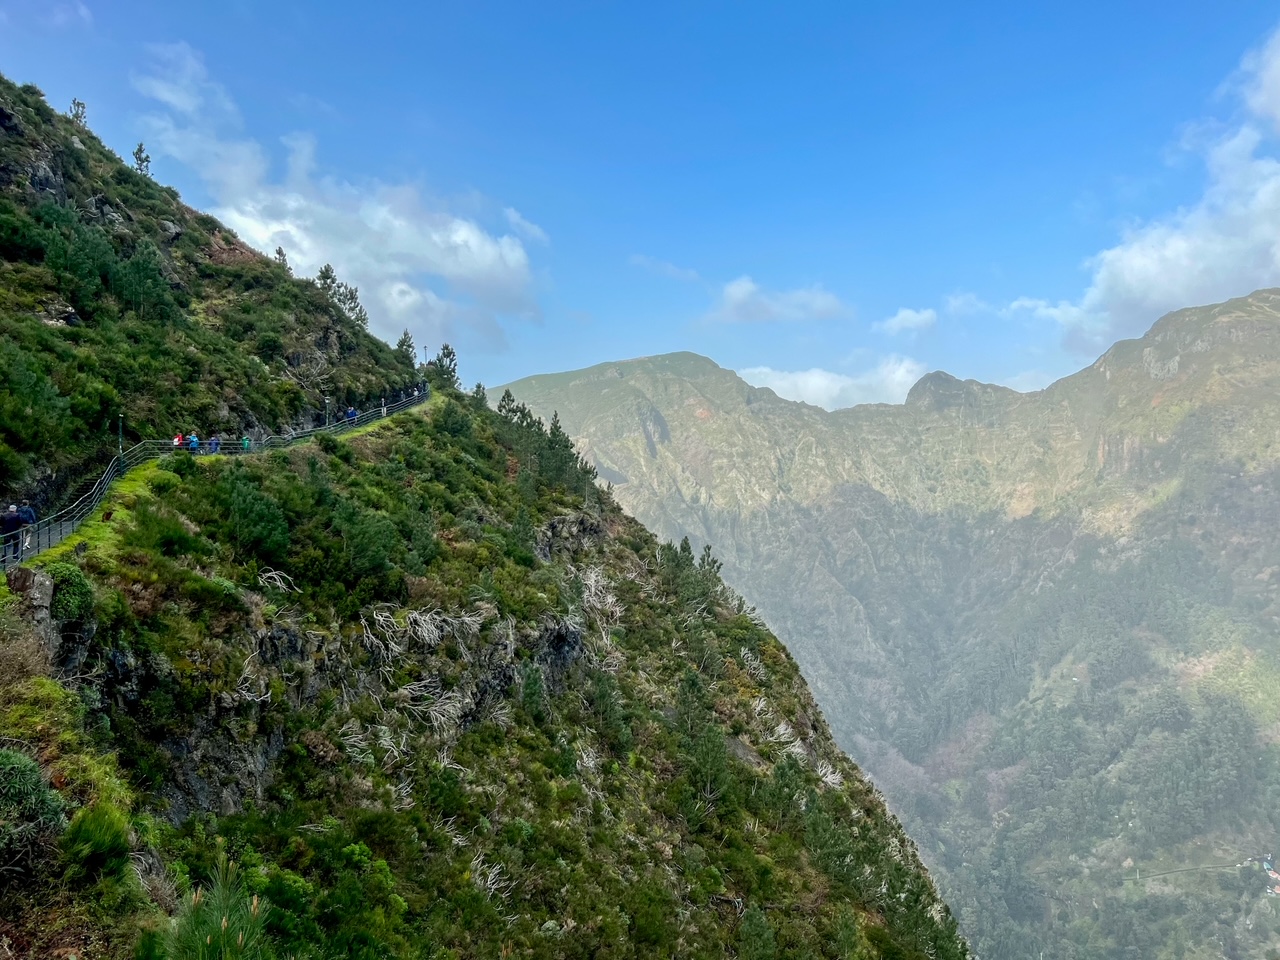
(34, 539)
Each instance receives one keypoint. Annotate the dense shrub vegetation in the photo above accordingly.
(421, 691)
(117, 299)
(425, 692)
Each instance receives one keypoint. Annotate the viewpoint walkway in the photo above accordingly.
(51, 531)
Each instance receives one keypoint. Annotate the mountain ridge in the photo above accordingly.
(969, 575)
(1083, 402)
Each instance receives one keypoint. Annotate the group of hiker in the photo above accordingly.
(15, 539)
(12, 523)
(193, 444)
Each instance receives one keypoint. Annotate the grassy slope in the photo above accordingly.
(594, 754)
(117, 297)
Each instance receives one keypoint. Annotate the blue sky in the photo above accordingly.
(831, 198)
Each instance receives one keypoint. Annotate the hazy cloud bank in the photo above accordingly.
(887, 382)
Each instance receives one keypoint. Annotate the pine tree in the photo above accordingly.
(707, 563)
(347, 298)
(507, 405)
(142, 160)
(447, 366)
(140, 284)
(522, 529)
(282, 259)
(222, 921)
(77, 112)
(561, 456)
(344, 296)
(405, 345)
(327, 279)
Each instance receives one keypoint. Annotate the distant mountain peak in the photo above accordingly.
(681, 363)
(939, 390)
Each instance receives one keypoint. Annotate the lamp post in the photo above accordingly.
(120, 433)
(326, 411)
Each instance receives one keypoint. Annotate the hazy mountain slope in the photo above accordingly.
(972, 574)
(117, 298)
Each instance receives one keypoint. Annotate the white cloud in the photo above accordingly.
(1260, 72)
(910, 321)
(1063, 312)
(663, 268)
(745, 301)
(178, 79)
(387, 239)
(887, 382)
(526, 228)
(1225, 244)
(960, 304)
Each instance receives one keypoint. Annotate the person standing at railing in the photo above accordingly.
(351, 416)
(27, 513)
(11, 533)
(193, 442)
(214, 443)
(245, 443)
(177, 440)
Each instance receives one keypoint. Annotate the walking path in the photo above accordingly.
(1264, 860)
(51, 531)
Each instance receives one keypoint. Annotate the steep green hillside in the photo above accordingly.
(434, 695)
(116, 298)
(1047, 624)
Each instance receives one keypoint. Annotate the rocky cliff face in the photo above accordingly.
(962, 574)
